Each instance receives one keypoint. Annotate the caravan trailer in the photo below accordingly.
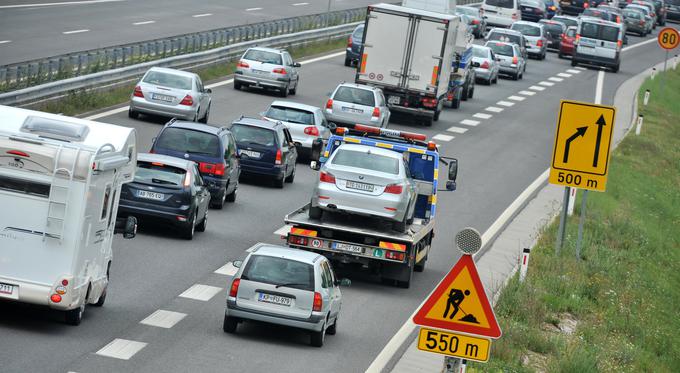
(60, 181)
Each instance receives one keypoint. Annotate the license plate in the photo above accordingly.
(349, 248)
(150, 195)
(165, 98)
(250, 153)
(275, 299)
(261, 72)
(359, 186)
(6, 289)
(394, 100)
(352, 110)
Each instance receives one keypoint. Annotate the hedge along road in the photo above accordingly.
(499, 157)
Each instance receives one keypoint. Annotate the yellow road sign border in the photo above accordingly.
(462, 339)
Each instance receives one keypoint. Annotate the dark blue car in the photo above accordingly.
(354, 44)
(212, 148)
(266, 149)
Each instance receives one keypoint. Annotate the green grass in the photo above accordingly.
(625, 293)
(79, 102)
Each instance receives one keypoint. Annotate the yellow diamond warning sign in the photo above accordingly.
(582, 143)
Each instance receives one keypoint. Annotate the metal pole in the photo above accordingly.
(580, 224)
(454, 365)
(563, 221)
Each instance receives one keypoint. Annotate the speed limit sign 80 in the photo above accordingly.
(669, 38)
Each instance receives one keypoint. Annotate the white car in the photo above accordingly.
(306, 123)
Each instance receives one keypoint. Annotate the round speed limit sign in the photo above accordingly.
(669, 38)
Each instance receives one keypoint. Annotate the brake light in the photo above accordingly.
(187, 100)
(19, 153)
(280, 70)
(394, 255)
(618, 19)
(242, 64)
(485, 65)
(515, 60)
(295, 240)
(394, 189)
(234, 287)
(278, 157)
(349, 42)
(64, 282)
(138, 92)
(429, 102)
(329, 104)
(318, 302)
(376, 112)
(55, 298)
(389, 132)
(211, 168)
(311, 130)
(539, 43)
(618, 44)
(577, 38)
(325, 177)
(475, 21)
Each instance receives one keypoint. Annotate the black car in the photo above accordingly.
(576, 7)
(168, 189)
(554, 30)
(213, 148)
(660, 9)
(533, 10)
(354, 44)
(672, 10)
(266, 149)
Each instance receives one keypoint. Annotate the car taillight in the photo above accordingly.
(539, 43)
(515, 60)
(475, 21)
(514, 16)
(278, 157)
(376, 112)
(211, 168)
(187, 100)
(138, 92)
(642, 23)
(311, 130)
(55, 298)
(349, 42)
(618, 19)
(242, 64)
(325, 177)
(618, 44)
(429, 102)
(562, 36)
(394, 255)
(280, 70)
(577, 38)
(585, 5)
(234, 287)
(318, 302)
(485, 65)
(296, 240)
(394, 189)
(329, 104)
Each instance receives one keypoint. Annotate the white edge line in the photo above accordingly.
(598, 87)
(626, 49)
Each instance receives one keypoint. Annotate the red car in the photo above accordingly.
(567, 42)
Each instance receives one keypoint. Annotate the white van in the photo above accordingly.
(598, 42)
(60, 181)
(501, 12)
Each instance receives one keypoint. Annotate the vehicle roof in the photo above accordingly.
(600, 21)
(354, 85)
(418, 12)
(505, 31)
(373, 149)
(286, 253)
(196, 126)
(528, 23)
(173, 71)
(165, 159)
(258, 123)
(565, 17)
(295, 105)
(273, 50)
(480, 46)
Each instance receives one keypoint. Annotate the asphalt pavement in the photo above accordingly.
(499, 156)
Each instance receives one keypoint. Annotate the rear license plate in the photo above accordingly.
(394, 100)
(150, 195)
(262, 72)
(352, 110)
(165, 98)
(251, 154)
(359, 186)
(349, 248)
(275, 299)
(6, 289)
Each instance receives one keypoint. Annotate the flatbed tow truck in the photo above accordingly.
(371, 242)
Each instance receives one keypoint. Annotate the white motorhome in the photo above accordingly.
(60, 181)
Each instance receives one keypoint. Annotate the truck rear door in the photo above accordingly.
(385, 46)
(425, 62)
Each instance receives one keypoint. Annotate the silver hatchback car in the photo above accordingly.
(284, 286)
(173, 93)
(306, 123)
(536, 36)
(511, 61)
(366, 180)
(351, 104)
(267, 68)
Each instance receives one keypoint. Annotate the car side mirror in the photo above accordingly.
(314, 165)
(344, 282)
(296, 64)
(208, 90)
(450, 185)
(332, 126)
(237, 263)
(453, 169)
(128, 227)
(475, 64)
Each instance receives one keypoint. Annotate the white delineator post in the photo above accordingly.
(638, 128)
(646, 100)
(653, 72)
(524, 265)
(572, 201)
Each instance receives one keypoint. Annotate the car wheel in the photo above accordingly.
(315, 212)
(102, 296)
(218, 204)
(521, 76)
(317, 338)
(237, 85)
(205, 117)
(189, 230)
(204, 223)
(291, 177)
(229, 325)
(420, 266)
(283, 92)
(195, 118)
(293, 91)
(435, 117)
(348, 62)
(278, 182)
(515, 76)
(464, 95)
(133, 114)
(74, 316)
(573, 63)
(231, 197)
(560, 55)
(543, 56)
(472, 91)
(615, 68)
(333, 328)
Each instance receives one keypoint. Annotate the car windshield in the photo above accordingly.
(508, 38)
(567, 21)
(527, 30)
(254, 135)
(639, 8)
(632, 14)
(167, 80)
(354, 96)
(501, 3)
(279, 271)
(366, 160)
(358, 33)
(553, 28)
(480, 52)
(189, 141)
(263, 56)
(595, 13)
(601, 32)
(288, 114)
(158, 173)
(502, 49)
(468, 11)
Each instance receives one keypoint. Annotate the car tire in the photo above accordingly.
(74, 316)
(515, 76)
(317, 338)
(218, 204)
(615, 68)
(573, 63)
(472, 91)
(204, 223)
(315, 212)
(205, 117)
(348, 62)
(237, 85)
(133, 114)
(102, 296)
(466, 89)
(231, 197)
(189, 230)
(435, 117)
(560, 55)
(333, 328)
(278, 182)
(291, 177)
(229, 325)
(543, 56)
(283, 92)
(420, 266)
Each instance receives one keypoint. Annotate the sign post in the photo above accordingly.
(668, 39)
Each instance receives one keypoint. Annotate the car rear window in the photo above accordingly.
(366, 160)
(358, 33)
(189, 141)
(479, 52)
(632, 14)
(355, 96)
(159, 173)
(167, 80)
(467, 11)
(527, 30)
(567, 21)
(508, 38)
(501, 49)
(501, 3)
(553, 28)
(253, 135)
(288, 114)
(263, 56)
(24, 186)
(600, 32)
(279, 271)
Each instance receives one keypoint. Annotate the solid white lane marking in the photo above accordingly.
(143, 23)
(517, 98)
(494, 109)
(121, 349)
(469, 122)
(252, 9)
(442, 137)
(62, 3)
(457, 129)
(482, 116)
(163, 319)
(537, 88)
(554, 79)
(202, 15)
(283, 231)
(300, 4)
(200, 292)
(573, 71)
(626, 49)
(564, 75)
(547, 84)
(227, 269)
(5, 41)
(505, 103)
(528, 93)
(598, 87)
(75, 31)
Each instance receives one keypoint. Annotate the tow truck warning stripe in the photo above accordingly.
(303, 232)
(392, 246)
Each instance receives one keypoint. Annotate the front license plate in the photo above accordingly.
(6, 289)
(250, 153)
(394, 100)
(349, 248)
(359, 186)
(275, 299)
(165, 98)
(150, 195)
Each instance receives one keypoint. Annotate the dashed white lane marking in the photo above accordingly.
(528, 93)
(200, 292)
(505, 103)
(457, 129)
(482, 116)
(494, 109)
(283, 231)
(564, 75)
(252, 9)
(227, 269)
(300, 4)
(5, 41)
(547, 84)
(143, 23)
(469, 122)
(202, 15)
(121, 349)
(581, 68)
(75, 31)
(537, 88)
(163, 319)
(555, 79)
(517, 98)
(442, 137)
(574, 71)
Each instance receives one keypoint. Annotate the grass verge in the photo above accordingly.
(617, 309)
(79, 102)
